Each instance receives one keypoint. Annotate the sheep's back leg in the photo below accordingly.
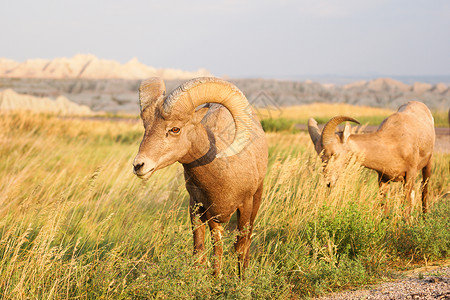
(256, 203)
(198, 220)
(408, 188)
(241, 245)
(426, 173)
(246, 218)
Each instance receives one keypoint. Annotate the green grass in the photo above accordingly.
(440, 118)
(279, 125)
(76, 223)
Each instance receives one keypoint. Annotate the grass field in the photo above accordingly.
(76, 223)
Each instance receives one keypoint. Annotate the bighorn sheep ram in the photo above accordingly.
(223, 151)
(402, 145)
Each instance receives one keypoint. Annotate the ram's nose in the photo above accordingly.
(143, 166)
(138, 166)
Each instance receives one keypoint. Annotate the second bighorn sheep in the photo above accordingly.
(223, 151)
(402, 146)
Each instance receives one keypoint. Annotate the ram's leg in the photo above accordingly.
(426, 173)
(217, 233)
(246, 217)
(256, 203)
(382, 193)
(241, 245)
(198, 220)
(409, 188)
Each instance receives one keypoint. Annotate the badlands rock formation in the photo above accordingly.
(89, 66)
(380, 92)
(11, 101)
(121, 96)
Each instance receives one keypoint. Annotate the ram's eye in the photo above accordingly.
(175, 130)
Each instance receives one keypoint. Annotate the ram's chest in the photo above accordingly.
(220, 204)
(392, 177)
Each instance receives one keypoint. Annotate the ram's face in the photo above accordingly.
(165, 141)
(333, 164)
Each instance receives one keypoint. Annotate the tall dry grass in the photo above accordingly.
(76, 223)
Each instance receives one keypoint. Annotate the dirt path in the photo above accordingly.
(421, 283)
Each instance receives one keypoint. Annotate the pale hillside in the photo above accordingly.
(12, 101)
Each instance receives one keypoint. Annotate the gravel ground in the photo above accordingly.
(418, 284)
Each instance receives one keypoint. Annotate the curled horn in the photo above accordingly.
(150, 91)
(328, 135)
(202, 90)
(313, 130)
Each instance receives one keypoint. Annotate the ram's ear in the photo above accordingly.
(198, 115)
(347, 132)
(151, 92)
(314, 131)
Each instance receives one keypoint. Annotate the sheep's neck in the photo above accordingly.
(372, 148)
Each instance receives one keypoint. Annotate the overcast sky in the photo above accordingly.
(246, 38)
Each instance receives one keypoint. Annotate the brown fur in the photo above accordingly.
(402, 146)
(217, 187)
